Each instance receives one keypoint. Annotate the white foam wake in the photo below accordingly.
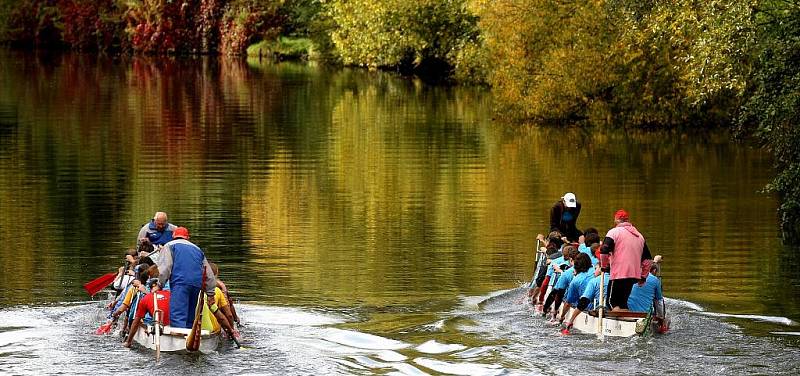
(434, 347)
(771, 319)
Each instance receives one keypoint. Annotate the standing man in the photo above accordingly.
(158, 231)
(564, 217)
(623, 249)
(182, 264)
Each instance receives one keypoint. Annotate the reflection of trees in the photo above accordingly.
(380, 169)
(347, 187)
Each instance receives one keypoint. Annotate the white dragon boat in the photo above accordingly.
(618, 324)
(173, 340)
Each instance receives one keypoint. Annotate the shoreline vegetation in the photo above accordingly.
(653, 64)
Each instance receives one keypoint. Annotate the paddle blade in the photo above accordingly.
(94, 286)
(103, 329)
(663, 327)
(193, 339)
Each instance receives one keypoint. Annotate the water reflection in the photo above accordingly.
(377, 197)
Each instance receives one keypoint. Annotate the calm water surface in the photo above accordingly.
(366, 223)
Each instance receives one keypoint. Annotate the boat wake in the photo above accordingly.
(761, 318)
(529, 341)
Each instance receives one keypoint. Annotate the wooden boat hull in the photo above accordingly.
(173, 340)
(612, 326)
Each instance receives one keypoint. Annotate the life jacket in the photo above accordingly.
(187, 263)
(158, 237)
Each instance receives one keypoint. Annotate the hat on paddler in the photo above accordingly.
(180, 232)
(621, 215)
(569, 200)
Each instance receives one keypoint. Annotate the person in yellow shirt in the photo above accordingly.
(223, 304)
(213, 317)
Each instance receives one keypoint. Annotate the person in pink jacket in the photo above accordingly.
(624, 248)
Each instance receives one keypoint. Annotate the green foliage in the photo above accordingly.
(284, 48)
(415, 35)
(772, 111)
(551, 59)
(299, 16)
(686, 60)
(6, 7)
(655, 63)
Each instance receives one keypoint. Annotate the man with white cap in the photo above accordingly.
(564, 217)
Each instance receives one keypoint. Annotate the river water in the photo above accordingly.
(365, 223)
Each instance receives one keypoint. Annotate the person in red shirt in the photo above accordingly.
(146, 305)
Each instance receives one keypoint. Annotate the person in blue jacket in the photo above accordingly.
(158, 231)
(182, 263)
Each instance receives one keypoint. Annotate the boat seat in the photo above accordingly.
(168, 330)
(621, 315)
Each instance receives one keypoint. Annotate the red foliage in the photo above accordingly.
(177, 26)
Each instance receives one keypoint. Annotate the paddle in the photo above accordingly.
(157, 325)
(193, 339)
(663, 325)
(105, 328)
(536, 266)
(601, 306)
(94, 286)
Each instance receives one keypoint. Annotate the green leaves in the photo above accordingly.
(400, 34)
(771, 112)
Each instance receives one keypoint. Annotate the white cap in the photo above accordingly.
(570, 200)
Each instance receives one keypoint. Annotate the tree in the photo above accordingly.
(407, 35)
(772, 110)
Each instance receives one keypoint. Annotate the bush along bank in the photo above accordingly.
(155, 26)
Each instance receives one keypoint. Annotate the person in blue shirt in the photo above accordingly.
(590, 296)
(555, 271)
(553, 245)
(567, 274)
(645, 294)
(158, 231)
(583, 275)
(586, 247)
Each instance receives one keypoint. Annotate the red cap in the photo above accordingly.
(180, 232)
(621, 214)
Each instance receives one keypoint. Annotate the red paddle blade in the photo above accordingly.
(99, 283)
(103, 329)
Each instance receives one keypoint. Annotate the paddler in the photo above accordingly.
(158, 231)
(623, 250)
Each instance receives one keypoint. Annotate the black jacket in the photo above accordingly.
(565, 220)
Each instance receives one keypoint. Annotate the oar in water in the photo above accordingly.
(94, 286)
(105, 328)
(663, 325)
(535, 274)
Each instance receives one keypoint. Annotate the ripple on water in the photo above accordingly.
(434, 347)
(459, 368)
